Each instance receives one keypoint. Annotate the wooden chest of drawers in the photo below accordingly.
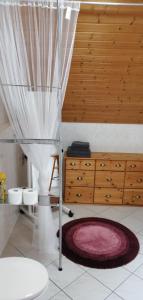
(108, 178)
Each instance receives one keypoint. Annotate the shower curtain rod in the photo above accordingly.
(106, 3)
(112, 3)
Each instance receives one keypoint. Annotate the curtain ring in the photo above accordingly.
(31, 3)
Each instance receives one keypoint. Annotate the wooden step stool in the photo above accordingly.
(55, 199)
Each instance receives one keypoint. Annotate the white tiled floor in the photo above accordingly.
(81, 283)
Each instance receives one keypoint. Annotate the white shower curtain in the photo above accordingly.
(36, 45)
(34, 80)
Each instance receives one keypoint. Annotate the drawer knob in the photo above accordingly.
(78, 195)
(102, 165)
(79, 178)
(109, 179)
(72, 163)
(139, 180)
(88, 164)
(118, 165)
(137, 197)
(133, 166)
(108, 196)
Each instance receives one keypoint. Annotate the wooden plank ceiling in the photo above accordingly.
(106, 78)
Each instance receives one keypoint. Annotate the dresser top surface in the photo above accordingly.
(111, 156)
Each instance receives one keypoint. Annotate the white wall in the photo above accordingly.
(105, 137)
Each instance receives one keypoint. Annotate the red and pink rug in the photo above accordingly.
(99, 243)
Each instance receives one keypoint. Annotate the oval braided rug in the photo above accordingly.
(99, 243)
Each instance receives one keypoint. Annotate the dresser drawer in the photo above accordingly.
(134, 179)
(87, 164)
(134, 166)
(80, 164)
(134, 197)
(72, 164)
(108, 196)
(79, 195)
(79, 178)
(112, 165)
(109, 179)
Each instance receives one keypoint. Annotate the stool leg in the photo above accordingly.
(52, 174)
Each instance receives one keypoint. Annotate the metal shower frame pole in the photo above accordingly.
(59, 30)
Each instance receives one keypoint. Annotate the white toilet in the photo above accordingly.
(22, 279)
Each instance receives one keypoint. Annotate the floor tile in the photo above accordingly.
(141, 232)
(21, 238)
(22, 219)
(70, 272)
(128, 208)
(65, 219)
(134, 264)
(138, 214)
(50, 292)
(115, 213)
(87, 287)
(96, 208)
(140, 239)
(99, 208)
(83, 211)
(113, 296)
(60, 296)
(132, 223)
(84, 268)
(10, 250)
(139, 271)
(79, 211)
(44, 258)
(110, 277)
(131, 289)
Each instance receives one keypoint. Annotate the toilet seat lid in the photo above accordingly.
(21, 278)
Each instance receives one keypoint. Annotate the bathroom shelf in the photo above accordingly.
(38, 204)
(30, 141)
